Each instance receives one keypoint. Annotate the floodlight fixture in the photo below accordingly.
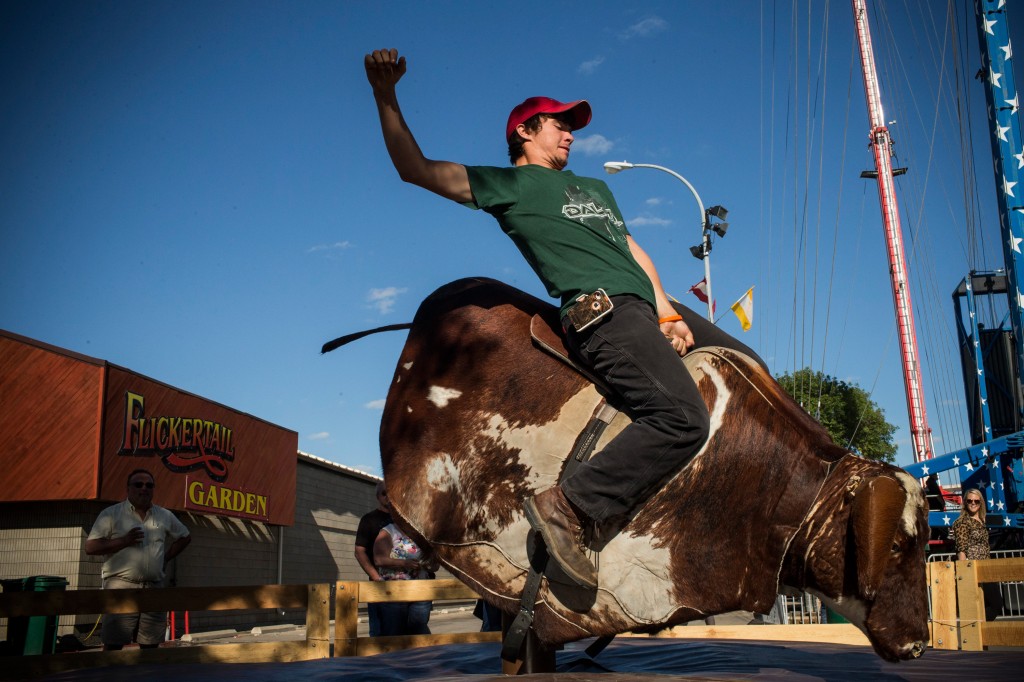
(718, 212)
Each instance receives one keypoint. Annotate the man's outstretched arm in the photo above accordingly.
(384, 69)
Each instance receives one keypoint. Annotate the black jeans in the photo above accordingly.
(670, 421)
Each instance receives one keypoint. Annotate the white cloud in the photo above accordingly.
(648, 221)
(645, 27)
(588, 67)
(376, 404)
(592, 145)
(336, 246)
(323, 435)
(654, 201)
(384, 299)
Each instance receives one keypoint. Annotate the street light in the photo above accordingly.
(701, 251)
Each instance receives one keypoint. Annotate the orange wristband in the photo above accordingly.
(670, 318)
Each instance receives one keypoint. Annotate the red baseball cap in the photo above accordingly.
(578, 110)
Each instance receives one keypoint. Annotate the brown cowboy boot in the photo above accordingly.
(551, 514)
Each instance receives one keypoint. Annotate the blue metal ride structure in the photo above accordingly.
(992, 358)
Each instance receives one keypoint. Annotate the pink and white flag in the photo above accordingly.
(700, 290)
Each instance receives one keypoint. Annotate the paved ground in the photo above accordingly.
(442, 620)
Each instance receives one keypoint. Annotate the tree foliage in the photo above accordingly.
(845, 410)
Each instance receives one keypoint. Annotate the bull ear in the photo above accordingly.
(877, 510)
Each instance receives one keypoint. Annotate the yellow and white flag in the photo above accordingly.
(744, 309)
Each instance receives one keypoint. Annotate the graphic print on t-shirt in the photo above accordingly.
(583, 206)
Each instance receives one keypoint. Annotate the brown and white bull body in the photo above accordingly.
(477, 419)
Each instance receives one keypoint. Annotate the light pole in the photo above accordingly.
(703, 250)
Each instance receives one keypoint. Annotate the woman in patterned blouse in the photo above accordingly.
(969, 531)
(398, 557)
(971, 537)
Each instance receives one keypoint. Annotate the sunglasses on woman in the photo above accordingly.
(973, 501)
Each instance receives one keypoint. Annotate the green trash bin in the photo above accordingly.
(31, 635)
(833, 617)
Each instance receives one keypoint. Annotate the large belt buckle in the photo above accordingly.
(588, 309)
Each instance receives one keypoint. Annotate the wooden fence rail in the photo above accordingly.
(958, 604)
(314, 598)
(349, 594)
(957, 619)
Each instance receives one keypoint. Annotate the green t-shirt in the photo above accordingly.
(567, 227)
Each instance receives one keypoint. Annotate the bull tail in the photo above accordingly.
(349, 338)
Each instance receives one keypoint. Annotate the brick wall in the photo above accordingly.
(226, 551)
(49, 539)
(319, 547)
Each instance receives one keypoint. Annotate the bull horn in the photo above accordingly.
(877, 510)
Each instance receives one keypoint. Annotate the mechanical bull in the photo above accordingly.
(478, 419)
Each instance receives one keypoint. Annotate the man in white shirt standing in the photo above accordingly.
(139, 539)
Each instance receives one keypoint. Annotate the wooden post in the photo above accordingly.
(346, 618)
(318, 621)
(942, 585)
(972, 605)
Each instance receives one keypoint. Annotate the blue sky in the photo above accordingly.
(199, 191)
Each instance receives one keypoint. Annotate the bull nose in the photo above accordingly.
(917, 650)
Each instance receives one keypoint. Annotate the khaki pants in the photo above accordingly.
(120, 628)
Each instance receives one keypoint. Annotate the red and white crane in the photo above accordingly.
(881, 144)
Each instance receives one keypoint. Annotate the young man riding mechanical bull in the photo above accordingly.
(618, 320)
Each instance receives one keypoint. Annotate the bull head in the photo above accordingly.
(889, 529)
(877, 511)
(862, 552)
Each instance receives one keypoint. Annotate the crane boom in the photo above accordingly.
(881, 144)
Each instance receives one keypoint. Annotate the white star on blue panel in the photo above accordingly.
(1015, 241)
(1008, 187)
(1001, 133)
(945, 520)
(988, 27)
